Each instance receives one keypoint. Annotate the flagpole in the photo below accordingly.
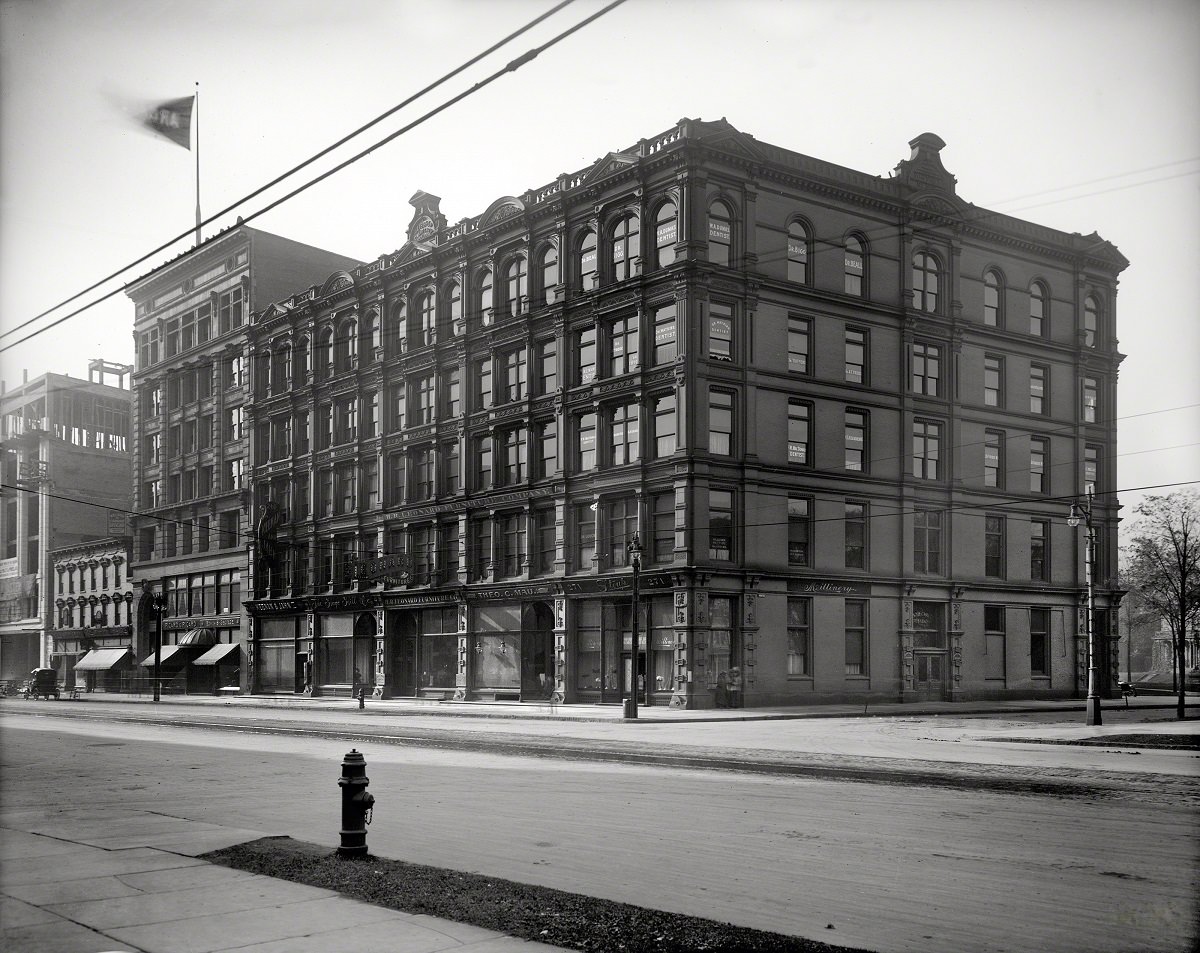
(198, 219)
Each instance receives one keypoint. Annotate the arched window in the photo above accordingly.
(484, 296)
(397, 334)
(925, 282)
(374, 336)
(993, 299)
(516, 287)
(279, 369)
(666, 234)
(345, 346)
(426, 308)
(855, 267)
(797, 253)
(452, 304)
(1091, 321)
(324, 356)
(720, 234)
(1039, 308)
(548, 273)
(585, 257)
(626, 249)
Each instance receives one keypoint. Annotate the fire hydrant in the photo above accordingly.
(357, 805)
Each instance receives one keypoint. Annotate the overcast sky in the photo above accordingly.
(1078, 114)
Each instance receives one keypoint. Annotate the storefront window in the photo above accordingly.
(497, 647)
(335, 649)
(722, 655)
(662, 642)
(276, 657)
(588, 647)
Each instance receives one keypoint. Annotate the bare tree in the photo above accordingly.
(1164, 568)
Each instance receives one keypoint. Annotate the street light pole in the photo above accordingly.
(1083, 512)
(635, 560)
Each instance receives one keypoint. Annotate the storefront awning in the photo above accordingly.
(198, 637)
(225, 652)
(101, 660)
(174, 657)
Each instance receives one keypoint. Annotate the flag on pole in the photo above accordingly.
(172, 120)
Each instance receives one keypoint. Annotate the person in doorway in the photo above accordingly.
(722, 698)
(358, 683)
(735, 687)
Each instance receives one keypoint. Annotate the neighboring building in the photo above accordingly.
(845, 414)
(189, 449)
(65, 466)
(92, 628)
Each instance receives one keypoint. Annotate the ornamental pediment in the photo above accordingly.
(501, 209)
(610, 164)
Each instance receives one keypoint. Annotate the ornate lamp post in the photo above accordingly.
(1082, 512)
(634, 548)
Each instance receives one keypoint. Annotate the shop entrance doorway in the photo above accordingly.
(405, 665)
(537, 652)
(929, 656)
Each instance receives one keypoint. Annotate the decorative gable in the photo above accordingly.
(427, 220)
(611, 163)
(504, 207)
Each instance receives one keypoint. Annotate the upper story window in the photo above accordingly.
(1039, 308)
(547, 273)
(451, 393)
(515, 375)
(324, 355)
(623, 346)
(856, 440)
(799, 435)
(664, 334)
(927, 449)
(1091, 397)
(516, 287)
(484, 296)
(720, 331)
(856, 355)
(665, 425)
(547, 366)
(855, 267)
(1091, 321)
(925, 282)
(585, 257)
(993, 380)
(720, 422)
(797, 253)
(625, 249)
(666, 234)
(426, 311)
(345, 346)
(1038, 397)
(280, 361)
(993, 299)
(926, 369)
(720, 234)
(585, 356)
(372, 336)
(799, 344)
(452, 306)
(397, 331)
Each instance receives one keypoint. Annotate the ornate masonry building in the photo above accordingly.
(844, 414)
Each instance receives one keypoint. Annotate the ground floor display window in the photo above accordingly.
(346, 650)
(661, 640)
(425, 650)
(512, 648)
(275, 659)
(604, 647)
(724, 674)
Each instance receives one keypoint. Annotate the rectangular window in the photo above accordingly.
(1091, 469)
(993, 459)
(799, 343)
(345, 412)
(544, 530)
(720, 422)
(799, 432)
(926, 369)
(927, 541)
(993, 380)
(301, 495)
(394, 479)
(620, 523)
(1038, 376)
(449, 467)
(1038, 451)
(927, 449)
(585, 431)
(856, 535)
(346, 488)
(481, 550)
(585, 356)
(514, 465)
(1039, 642)
(720, 331)
(623, 346)
(483, 462)
(422, 473)
(664, 334)
(856, 440)
(720, 525)
(994, 642)
(1039, 551)
(1091, 396)
(514, 378)
(235, 474)
(483, 383)
(993, 545)
(856, 637)
(547, 356)
(422, 554)
(856, 356)
(665, 427)
(662, 515)
(424, 409)
(585, 537)
(799, 629)
(451, 393)
(397, 409)
(799, 530)
(233, 424)
(511, 556)
(548, 448)
(625, 431)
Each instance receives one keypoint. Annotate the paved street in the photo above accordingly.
(893, 866)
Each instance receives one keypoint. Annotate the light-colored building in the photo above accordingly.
(92, 624)
(66, 466)
(190, 426)
(845, 415)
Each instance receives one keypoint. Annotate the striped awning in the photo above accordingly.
(225, 652)
(101, 660)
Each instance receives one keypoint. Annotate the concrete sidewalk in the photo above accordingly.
(94, 881)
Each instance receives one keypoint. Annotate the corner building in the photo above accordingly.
(846, 415)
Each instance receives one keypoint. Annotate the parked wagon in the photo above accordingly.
(42, 681)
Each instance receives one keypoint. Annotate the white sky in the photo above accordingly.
(1092, 107)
